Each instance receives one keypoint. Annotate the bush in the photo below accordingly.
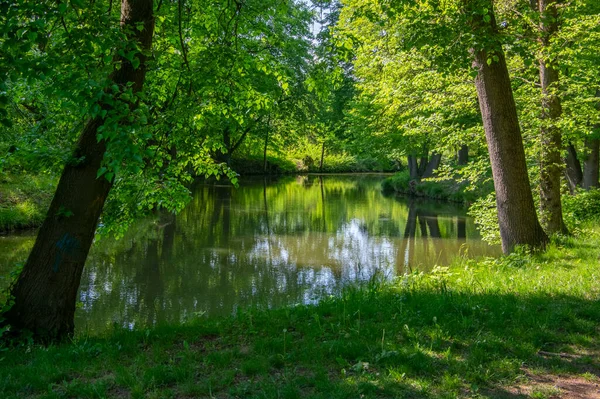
(254, 165)
(582, 207)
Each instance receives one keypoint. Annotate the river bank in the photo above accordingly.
(445, 190)
(517, 326)
(24, 200)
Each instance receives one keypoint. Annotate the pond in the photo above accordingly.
(268, 243)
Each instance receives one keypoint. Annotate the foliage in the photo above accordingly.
(582, 208)
(486, 217)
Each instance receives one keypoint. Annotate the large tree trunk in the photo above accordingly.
(432, 165)
(550, 134)
(519, 224)
(573, 171)
(590, 165)
(45, 292)
(424, 160)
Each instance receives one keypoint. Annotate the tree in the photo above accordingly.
(551, 137)
(45, 293)
(516, 211)
(449, 35)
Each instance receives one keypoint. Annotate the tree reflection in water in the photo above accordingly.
(267, 243)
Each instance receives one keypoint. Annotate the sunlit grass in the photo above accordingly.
(24, 200)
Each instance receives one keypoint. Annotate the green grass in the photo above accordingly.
(24, 200)
(468, 331)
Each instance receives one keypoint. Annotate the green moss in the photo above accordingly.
(456, 332)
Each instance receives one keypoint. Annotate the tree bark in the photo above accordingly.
(432, 165)
(519, 224)
(45, 292)
(550, 134)
(590, 165)
(463, 155)
(413, 169)
(573, 171)
(424, 161)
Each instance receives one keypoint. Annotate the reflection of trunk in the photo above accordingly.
(461, 227)
(573, 170)
(168, 238)
(516, 211)
(423, 227)
(432, 165)
(46, 290)
(422, 224)
(590, 165)
(226, 221)
(433, 224)
(213, 225)
(436, 235)
(408, 241)
(266, 209)
(463, 155)
(322, 203)
(153, 287)
(413, 169)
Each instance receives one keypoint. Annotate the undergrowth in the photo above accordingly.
(24, 200)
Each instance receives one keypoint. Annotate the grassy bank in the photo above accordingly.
(491, 328)
(447, 190)
(24, 200)
(296, 163)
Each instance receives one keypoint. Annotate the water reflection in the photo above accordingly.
(267, 243)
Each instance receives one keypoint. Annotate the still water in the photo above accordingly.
(266, 243)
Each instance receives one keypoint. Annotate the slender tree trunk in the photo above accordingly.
(322, 156)
(519, 224)
(463, 155)
(550, 134)
(265, 151)
(590, 165)
(573, 171)
(432, 165)
(45, 292)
